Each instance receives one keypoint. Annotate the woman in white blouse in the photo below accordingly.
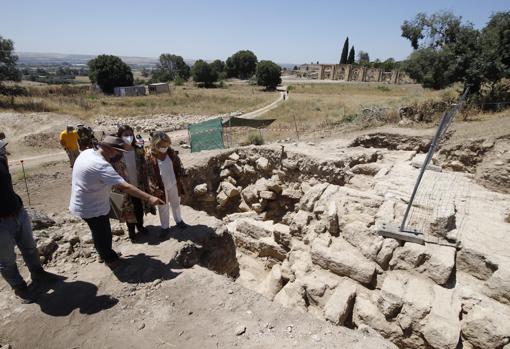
(165, 174)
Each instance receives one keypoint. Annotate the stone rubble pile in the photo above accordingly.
(315, 232)
(159, 122)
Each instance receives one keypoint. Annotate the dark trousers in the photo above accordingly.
(102, 235)
(138, 206)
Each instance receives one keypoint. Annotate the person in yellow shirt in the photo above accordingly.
(69, 140)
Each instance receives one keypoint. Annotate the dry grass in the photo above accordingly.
(317, 106)
(79, 101)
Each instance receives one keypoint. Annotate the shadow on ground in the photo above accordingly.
(60, 298)
(142, 268)
(201, 244)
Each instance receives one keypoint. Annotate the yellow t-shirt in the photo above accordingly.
(70, 140)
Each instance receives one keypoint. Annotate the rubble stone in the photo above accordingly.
(292, 295)
(263, 164)
(200, 189)
(343, 260)
(485, 327)
(339, 306)
(230, 190)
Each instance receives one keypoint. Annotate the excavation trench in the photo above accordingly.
(303, 229)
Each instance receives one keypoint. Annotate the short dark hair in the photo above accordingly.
(124, 128)
(2, 135)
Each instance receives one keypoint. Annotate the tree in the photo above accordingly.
(433, 69)
(345, 51)
(241, 64)
(495, 47)
(218, 65)
(448, 50)
(268, 74)
(204, 73)
(8, 70)
(295, 68)
(108, 72)
(350, 58)
(170, 66)
(434, 31)
(363, 58)
(389, 64)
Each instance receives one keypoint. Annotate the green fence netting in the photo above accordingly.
(206, 135)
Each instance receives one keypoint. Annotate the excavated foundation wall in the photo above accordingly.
(263, 180)
(314, 233)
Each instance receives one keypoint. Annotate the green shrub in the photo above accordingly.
(350, 117)
(255, 138)
(178, 81)
(383, 88)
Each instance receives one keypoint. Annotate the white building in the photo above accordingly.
(129, 91)
(160, 87)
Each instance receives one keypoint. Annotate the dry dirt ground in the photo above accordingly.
(152, 301)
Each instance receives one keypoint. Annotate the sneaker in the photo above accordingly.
(23, 294)
(182, 225)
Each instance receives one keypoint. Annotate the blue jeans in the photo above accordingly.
(17, 230)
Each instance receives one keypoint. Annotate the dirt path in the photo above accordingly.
(53, 122)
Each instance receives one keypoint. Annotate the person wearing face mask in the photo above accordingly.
(16, 230)
(165, 174)
(133, 169)
(92, 180)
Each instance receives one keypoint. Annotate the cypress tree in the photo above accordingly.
(345, 50)
(350, 59)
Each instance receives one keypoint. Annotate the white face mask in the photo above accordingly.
(128, 139)
(163, 149)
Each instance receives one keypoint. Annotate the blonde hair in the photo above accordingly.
(158, 137)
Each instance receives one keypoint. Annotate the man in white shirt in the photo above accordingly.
(93, 178)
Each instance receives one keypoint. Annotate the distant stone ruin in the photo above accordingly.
(349, 72)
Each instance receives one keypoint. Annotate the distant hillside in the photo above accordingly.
(39, 58)
(36, 58)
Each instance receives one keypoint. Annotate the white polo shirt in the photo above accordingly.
(93, 178)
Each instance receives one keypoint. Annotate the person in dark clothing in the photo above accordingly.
(86, 138)
(16, 230)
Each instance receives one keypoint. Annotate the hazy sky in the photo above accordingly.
(281, 30)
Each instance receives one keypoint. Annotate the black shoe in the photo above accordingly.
(131, 232)
(23, 294)
(44, 276)
(182, 225)
(142, 230)
(114, 264)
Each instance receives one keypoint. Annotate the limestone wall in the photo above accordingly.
(349, 72)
